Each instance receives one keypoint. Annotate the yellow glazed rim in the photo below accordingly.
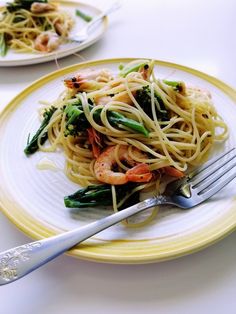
(119, 251)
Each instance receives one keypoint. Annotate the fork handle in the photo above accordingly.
(115, 6)
(18, 262)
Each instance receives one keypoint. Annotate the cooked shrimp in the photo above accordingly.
(173, 172)
(47, 41)
(88, 80)
(139, 173)
(104, 163)
(145, 72)
(95, 140)
(59, 27)
(102, 100)
(38, 7)
(121, 97)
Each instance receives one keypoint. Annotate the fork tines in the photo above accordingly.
(214, 175)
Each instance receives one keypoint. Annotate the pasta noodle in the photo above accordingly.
(34, 27)
(131, 127)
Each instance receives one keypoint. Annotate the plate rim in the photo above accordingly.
(64, 53)
(30, 226)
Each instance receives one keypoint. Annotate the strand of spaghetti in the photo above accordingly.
(114, 200)
(144, 148)
(170, 123)
(164, 141)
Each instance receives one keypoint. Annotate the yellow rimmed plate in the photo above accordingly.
(33, 198)
(14, 58)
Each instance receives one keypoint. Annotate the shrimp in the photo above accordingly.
(47, 41)
(104, 163)
(88, 80)
(123, 97)
(38, 7)
(95, 140)
(145, 72)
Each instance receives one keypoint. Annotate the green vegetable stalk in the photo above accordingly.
(32, 145)
(84, 16)
(117, 118)
(101, 195)
(3, 45)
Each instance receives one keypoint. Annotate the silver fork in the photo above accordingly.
(83, 34)
(185, 193)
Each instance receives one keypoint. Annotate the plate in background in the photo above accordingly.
(13, 58)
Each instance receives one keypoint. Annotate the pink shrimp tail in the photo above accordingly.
(139, 173)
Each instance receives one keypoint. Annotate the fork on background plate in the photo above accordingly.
(83, 34)
(185, 193)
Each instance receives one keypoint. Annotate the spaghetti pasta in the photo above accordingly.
(130, 128)
(34, 26)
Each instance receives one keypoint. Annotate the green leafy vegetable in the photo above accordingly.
(84, 16)
(32, 145)
(101, 195)
(21, 4)
(143, 97)
(76, 120)
(3, 45)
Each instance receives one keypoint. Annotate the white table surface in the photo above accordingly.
(199, 34)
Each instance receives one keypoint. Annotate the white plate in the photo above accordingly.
(33, 198)
(16, 59)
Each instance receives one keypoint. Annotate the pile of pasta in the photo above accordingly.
(33, 26)
(130, 127)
